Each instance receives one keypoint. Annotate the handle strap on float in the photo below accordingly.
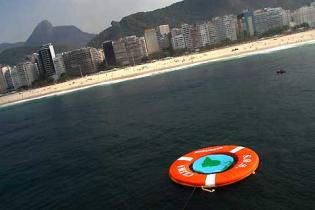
(204, 188)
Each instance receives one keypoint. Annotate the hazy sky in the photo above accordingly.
(19, 17)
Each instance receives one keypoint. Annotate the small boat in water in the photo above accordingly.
(281, 71)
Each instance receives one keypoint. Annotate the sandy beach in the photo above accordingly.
(164, 65)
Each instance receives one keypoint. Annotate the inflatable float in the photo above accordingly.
(214, 167)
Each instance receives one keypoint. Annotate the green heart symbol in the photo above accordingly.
(208, 162)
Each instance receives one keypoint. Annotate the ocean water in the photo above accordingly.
(110, 147)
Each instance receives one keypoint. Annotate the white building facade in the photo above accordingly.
(304, 15)
(27, 73)
(187, 33)
(151, 40)
(203, 34)
(163, 29)
(6, 70)
(230, 23)
(178, 42)
(212, 33)
(267, 19)
(144, 50)
(17, 83)
(3, 84)
(286, 17)
(59, 65)
(226, 28)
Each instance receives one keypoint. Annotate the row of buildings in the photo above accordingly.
(132, 50)
(46, 64)
(22, 75)
(219, 30)
(125, 51)
(304, 15)
(229, 28)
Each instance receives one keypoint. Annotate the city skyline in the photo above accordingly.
(20, 17)
(159, 42)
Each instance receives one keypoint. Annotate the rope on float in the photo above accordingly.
(189, 198)
(208, 190)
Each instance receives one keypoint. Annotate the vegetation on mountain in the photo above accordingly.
(14, 56)
(4, 46)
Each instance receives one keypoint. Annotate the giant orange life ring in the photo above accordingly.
(213, 167)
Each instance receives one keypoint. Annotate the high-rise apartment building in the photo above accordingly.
(27, 73)
(130, 50)
(6, 70)
(17, 83)
(175, 32)
(164, 42)
(152, 42)
(220, 29)
(46, 56)
(163, 30)
(178, 42)
(82, 61)
(59, 65)
(230, 22)
(109, 53)
(245, 24)
(196, 37)
(267, 19)
(200, 35)
(203, 34)
(188, 36)
(3, 84)
(134, 49)
(226, 28)
(212, 33)
(121, 55)
(143, 46)
(305, 15)
(286, 17)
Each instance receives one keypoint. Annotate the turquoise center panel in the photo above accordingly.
(213, 164)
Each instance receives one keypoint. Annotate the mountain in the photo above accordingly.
(4, 46)
(64, 38)
(188, 11)
(70, 36)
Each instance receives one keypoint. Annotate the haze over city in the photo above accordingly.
(19, 17)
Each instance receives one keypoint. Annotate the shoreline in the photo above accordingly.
(262, 46)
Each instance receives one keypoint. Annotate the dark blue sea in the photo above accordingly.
(110, 147)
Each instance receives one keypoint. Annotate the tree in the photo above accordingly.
(276, 31)
(63, 78)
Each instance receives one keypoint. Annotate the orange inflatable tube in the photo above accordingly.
(213, 167)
